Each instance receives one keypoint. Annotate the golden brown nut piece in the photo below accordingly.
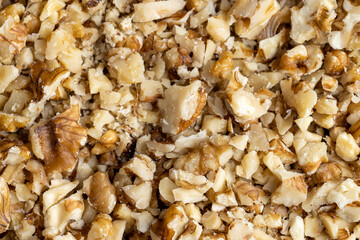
(11, 122)
(58, 141)
(13, 152)
(101, 192)
(5, 208)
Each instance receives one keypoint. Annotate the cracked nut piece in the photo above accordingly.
(12, 38)
(181, 106)
(5, 206)
(101, 192)
(311, 155)
(142, 166)
(172, 225)
(8, 73)
(10, 122)
(13, 152)
(129, 70)
(205, 158)
(159, 10)
(101, 227)
(346, 147)
(328, 172)
(252, 25)
(139, 195)
(58, 141)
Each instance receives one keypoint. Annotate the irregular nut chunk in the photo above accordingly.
(38, 179)
(150, 90)
(246, 105)
(297, 228)
(101, 192)
(292, 191)
(172, 225)
(165, 189)
(335, 62)
(247, 193)
(142, 166)
(159, 10)
(13, 152)
(206, 158)
(192, 231)
(12, 122)
(58, 41)
(239, 229)
(303, 101)
(12, 39)
(139, 195)
(58, 190)
(50, 8)
(218, 29)
(143, 220)
(311, 155)
(345, 193)
(58, 141)
(333, 224)
(98, 82)
(101, 227)
(328, 172)
(346, 147)
(60, 214)
(181, 106)
(250, 26)
(8, 73)
(129, 70)
(187, 195)
(5, 206)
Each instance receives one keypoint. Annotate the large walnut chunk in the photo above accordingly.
(181, 106)
(101, 192)
(5, 208)
(58, 141)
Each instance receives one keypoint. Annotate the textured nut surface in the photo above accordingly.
(5, 206)
(58, 141)
(101, 192)
(180, 119)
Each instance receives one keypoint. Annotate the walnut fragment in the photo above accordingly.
(58, 141)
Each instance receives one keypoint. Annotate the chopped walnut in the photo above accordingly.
(180, 119)
(101, 192)
(58, 141)
(346, 147)
(139, 195)
(13, 152)
(178, 110)
(5, 206)
(160, 10)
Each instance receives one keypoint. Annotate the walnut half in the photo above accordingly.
(58, 141)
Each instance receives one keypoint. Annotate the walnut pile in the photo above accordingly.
(180, 119)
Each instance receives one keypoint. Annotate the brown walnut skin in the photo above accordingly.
(60, 140)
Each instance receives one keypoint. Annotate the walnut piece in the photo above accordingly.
(5, 206)
(13, 152)
(181, 106)
(101, 192)
(160, 9)
(58, 141)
